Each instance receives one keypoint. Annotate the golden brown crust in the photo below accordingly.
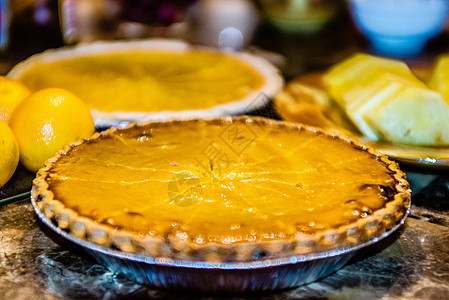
(177, 248)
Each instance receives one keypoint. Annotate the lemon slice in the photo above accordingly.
(375, 94)
(360, 70)
(404, 118)
(153, 79)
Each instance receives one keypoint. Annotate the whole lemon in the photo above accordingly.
(9, 153)
(47, 120)
(11, 93)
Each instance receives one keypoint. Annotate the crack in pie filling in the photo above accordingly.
(229, 189)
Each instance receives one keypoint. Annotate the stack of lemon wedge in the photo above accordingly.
(387, 102)
(439, 80)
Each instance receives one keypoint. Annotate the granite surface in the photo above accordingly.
(413, 263)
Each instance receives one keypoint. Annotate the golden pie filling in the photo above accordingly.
(222, 189)
(148, 81)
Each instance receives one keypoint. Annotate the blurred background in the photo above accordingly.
(297, 35)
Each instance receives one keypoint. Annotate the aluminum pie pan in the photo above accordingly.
(220, 277)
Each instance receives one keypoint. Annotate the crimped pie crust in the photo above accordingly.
(185, 249)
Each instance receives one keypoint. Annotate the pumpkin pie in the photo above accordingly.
(224, 189)
(153, 79)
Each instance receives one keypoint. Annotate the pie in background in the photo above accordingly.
(153, 79)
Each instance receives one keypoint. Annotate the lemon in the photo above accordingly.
(9, 153)
(47, 120)
(11, 93)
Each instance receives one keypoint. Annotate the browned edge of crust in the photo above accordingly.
(184, 249)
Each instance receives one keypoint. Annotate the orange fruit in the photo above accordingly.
(47, 120)
(11, 93)
(9, 153)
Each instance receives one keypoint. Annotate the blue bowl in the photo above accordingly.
(399, 27)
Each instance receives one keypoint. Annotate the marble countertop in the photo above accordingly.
(413, 263)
